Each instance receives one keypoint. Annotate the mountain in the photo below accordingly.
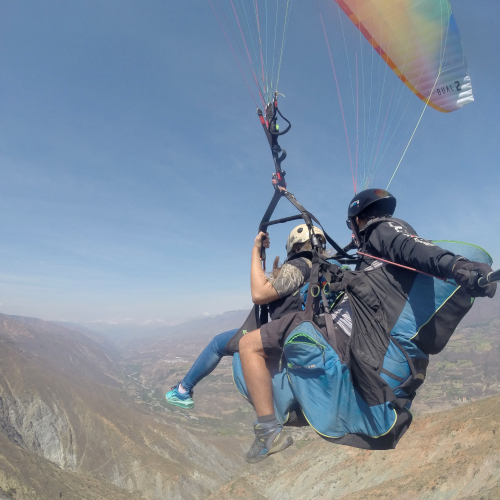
(62, 399)
(25, 475)
(446, 455)
(482, 311)
(128, 335)
(63, 349)
(78, 420)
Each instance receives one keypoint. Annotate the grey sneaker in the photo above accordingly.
(269, 438)
(174, 397)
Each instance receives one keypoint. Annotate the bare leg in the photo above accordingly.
(256, 373)
(269, 434)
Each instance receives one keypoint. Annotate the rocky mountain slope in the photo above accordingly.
(76, 421)
(26, 475)
(445, 455)
(60, 399)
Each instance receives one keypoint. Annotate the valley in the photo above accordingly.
(82, 416)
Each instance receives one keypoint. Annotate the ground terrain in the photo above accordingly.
(84, 417)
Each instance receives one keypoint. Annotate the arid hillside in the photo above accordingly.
(24, 474)
(61, 399)
(446, 455)
(466, 370)
(79, 421)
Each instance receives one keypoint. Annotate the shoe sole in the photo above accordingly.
(285, 444)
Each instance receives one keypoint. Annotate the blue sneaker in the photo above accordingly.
(174, 397)
(269, 438)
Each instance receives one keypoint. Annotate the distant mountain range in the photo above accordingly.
(123, 334)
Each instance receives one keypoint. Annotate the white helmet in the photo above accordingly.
(300, 234)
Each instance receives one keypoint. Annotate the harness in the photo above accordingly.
(271, 129)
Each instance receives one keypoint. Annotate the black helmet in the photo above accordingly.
(380, 201)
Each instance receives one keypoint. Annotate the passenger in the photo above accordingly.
(278, 289)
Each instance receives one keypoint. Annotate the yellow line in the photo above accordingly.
(436, 311)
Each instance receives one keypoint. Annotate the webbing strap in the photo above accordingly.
(313, 282)
(330, 328)
(392, 375)
(305, 214)
(266, 218)
(270, 209)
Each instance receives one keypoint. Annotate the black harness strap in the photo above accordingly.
(307, 216)
(270, 126)
(330, 328)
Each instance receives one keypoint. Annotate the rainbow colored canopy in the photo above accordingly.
(420, 41)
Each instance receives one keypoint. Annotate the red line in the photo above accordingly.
(400, 265)
(340, 100)
(234, 54)
(248, 63)
(246, 48)
(260, 45)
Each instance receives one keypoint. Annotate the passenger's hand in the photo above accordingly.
(262, 240)
(467, 273)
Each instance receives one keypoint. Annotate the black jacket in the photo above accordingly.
(378, 293)
(396, 241)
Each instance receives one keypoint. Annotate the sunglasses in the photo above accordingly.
(349, 225)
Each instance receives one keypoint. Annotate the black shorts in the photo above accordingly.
(273, 334)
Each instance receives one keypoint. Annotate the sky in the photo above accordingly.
(134, 172)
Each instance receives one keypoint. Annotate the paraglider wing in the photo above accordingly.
(420, 41)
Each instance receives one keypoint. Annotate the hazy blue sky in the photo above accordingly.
(134, 171)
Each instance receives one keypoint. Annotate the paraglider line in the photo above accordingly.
(340, 100)
(427, 101)
(274, 42)
(236, 57)
(247, 62)
(266, 58)
(357, 124)
(414, 132)
(347, 55)
(363, 86)
(378, 116)
(246, 48)
(382, 133)
(391, 120)
(260, 44)
(285, 30)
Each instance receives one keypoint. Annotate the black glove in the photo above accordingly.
(466, 273)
